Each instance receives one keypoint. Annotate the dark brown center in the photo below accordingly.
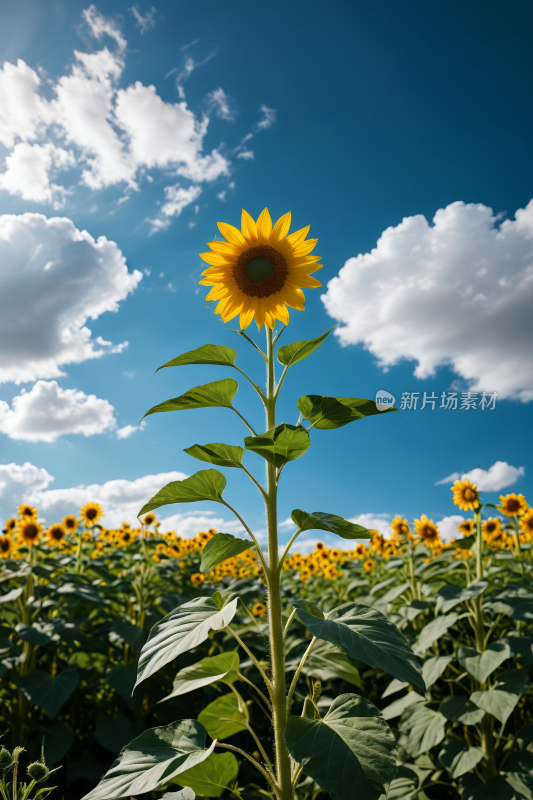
(513, 505)
(91, 513)
(260, 271)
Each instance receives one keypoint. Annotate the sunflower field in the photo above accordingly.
(78, 602)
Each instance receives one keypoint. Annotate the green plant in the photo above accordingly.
(37, 772)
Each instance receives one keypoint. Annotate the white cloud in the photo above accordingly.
(221, 195)
(448, 527)
(457, 293)
(269, 117)
(144, 23)
(100, 25)
(497, 477)
(28, 172)
(47, 412)
(23, 113)
(129, 430)
(222, 104)
(16, 482)
(177, 198)
(55, 277)
(246, 155)
(188, 525)
(378, 522)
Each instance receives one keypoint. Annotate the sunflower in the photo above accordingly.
(360, 550)
(56, 533)
(400, 527)
(526, 522)
(513, 505)
(10, 525)
(465, 495)
(259, 270)
(197, 579)
(149, 519)
(29, 531)
(491, 528)
(91, 513)
(369, 565)
(259, 610)
(6, 546)
(27, 511)
(427, 530)
(70, 523)
(466, 527)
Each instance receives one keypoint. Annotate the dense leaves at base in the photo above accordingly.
(350, 753)
(212, 776)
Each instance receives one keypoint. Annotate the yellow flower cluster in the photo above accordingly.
(322, 561)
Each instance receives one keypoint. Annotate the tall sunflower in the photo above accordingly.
(427, 530)
(29, 531)
(526, 523)
(466, 527)
(10, 525)
(513, 505)
(70, 523)
(27, 511)
(400, 527)
(465, 495)
(56, 533)
(91, 513)
(6, 546)
(258, 271)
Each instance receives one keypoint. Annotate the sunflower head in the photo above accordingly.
(513, 505)
(492, 529)
(259, 270)
(56, 533)
(197, 579)
(70, 523)
(27, 512)
(427, 530)
(259, 610)
(149, 519)
(29, 531)
(6, 546)
(400, 527)
(462, 554)
(526, 522)
(360, 550)
(91, 513)
(369, 565)
(465, 495)
(466, 527)
(10, 525)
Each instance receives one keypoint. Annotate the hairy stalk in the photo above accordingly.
(266, 775)
(279, 708)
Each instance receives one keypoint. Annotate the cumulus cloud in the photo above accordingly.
(188, 525)
(497, 477)
(448, 527)
(17, 483)
(47, 412)
(378, 522)
(129, 430)
(457, 293)
(55, 277)
(29, 169)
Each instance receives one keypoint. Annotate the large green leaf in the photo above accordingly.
(327, 413)
(472, 788)
(397, 707)
(461, 709)
(516, 603)
(422, 728)
(328, 664)
(132, 634)
(433, 631)
(433, 669)
(153, 759)
(451, 595)
(280, 444)
(504, 695)
(215, 394)
(208, 484)
(50, 692)
(223, 717)
(223, 455)
(350, 753)
(221, 547)
(321, 521)
(223, 667)
(206, 354)
(57, 742)
(291, 354)
(366, 635)
(184, 628)
(481, 665)
(521, 644)
(459, 758)
(212, 776)
(37, 633)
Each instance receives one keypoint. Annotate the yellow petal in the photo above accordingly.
(298, 236)
(216, 259)
(293, 296)
(280, 229)
(264, 226)
(260, 312)
(227, 248)
(282, 313)
(218, 292)
(307, 282)
(247, 316)
(305, 247)
(248, 227)
(230, 233)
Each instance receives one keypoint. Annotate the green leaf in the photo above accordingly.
(50, 692)
(57, 742)
(394, 686)
(466, 543)
(223, 667)
(35, 633)
(350, 753)
(321, 521)
(184, 794)
(309, 607)
(433, 631)
(504, 695)
(422, 728)
(280, 444)
(327, 413)
(291, 354)
(472, 788)
(153, 759)
(403, 787)
(223, 455)
(521, 644)
(516, 603)
(181, 630)
(433, 668)
(208, 484)
(397, 707)
(206, 354)
(212, 776)
(480, 665)
(133, 635)
(367, 635)
(451, 594)
(209, 395)
(461, 709)
(330, 663)
(122, 679)
(114, 732)
(459, 758)
(221, 547)
(223, 718)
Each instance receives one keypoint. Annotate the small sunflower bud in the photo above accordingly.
(38, 771)
(6, 759)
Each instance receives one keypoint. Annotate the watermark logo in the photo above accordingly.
(384, 400)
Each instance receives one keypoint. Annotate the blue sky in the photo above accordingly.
(354, 117)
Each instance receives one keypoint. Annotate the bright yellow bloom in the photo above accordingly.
(70, 523)
(491, 528)
(465, 495)
(6, 546)
(369, 565)
(466, 527)
(56, 533)
(513, 505)
(10, 525)
(360, 550)
(27, 511)
(29, 531)
(400, 527)
(259, 610)
(91, 513)
(427, 530)
(526, 522)
(149, 519)
(259, 270)
(462, 553)
(197, 579)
